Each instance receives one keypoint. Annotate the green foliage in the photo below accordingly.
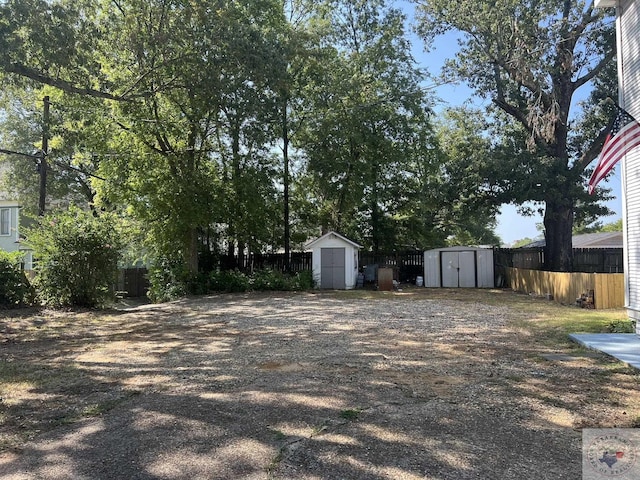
(267, 279)
(15, 289)
(598, 227)
(612, 227)
(351, 414)
(168, 280)
(621, 326)
(522, 242)
(367, 136)
(304, 280)
(77, 258)
(229, 281)
(169, 113)
(467, 205)
(530, 58)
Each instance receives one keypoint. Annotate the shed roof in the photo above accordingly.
(335, 235)
(459, 248)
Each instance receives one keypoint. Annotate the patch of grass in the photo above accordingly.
(97, 409)
(556, 402)
(351, 414)
(277, 434)
(317, 430)
(550, 324)
(275, 462)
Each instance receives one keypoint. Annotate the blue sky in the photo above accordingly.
(511, 225)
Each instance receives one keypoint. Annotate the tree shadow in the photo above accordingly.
(297, 387)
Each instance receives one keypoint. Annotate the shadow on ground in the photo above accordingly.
(298, 386)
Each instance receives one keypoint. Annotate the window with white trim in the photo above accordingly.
(5, 221)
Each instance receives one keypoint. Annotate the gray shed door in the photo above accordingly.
(459, 269)
(332, 268)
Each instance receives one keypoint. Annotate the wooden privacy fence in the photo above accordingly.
(407, 265)
(134, 282)
(589, 260)
(608, 288)
(298, 262)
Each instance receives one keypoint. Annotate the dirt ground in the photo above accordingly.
(419, 384)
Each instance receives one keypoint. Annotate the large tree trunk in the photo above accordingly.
(191, 251)
(558, 226)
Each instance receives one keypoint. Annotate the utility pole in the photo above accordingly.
(43, 157)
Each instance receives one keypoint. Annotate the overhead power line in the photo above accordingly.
(11, 152)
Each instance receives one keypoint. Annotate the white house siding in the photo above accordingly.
(629, 77)
(9, 242)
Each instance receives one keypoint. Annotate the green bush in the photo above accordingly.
(228, 281)
(168, 280)
(270, 280)
(303, 280)
(15, 289)
(77, 256)
(621, 326)
(260, 280)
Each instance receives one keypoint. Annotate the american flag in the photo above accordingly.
(622, 138)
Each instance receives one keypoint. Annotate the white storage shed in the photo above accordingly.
(454, 267)
(334, 261)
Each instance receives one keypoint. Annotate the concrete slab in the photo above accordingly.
(623, 346)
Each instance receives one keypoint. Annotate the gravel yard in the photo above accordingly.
(420, 384)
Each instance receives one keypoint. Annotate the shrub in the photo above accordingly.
(267, 279)
(15, 289)
(260, 280)
(303, 280)
(621, 326)
(228, 281)
(167, 280)
(77, 256)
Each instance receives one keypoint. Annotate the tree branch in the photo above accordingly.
(595, 148)
(148, 144)
(594, 71)
(64, 85)
(500, 101)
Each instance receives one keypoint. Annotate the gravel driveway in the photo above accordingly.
(310, 386)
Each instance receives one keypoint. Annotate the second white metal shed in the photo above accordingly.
(466, 267)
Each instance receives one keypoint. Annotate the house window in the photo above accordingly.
(5, 221)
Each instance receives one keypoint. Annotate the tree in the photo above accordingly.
(171, 73)
(468, 203)
(530, 58)
(297, 63)
(369, 122)
(599, 227)
(75, 130)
